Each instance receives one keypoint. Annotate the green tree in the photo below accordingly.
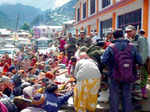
(26, 27)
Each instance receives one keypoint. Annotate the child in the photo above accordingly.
(71, 66)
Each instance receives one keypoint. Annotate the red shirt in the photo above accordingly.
(107, 44)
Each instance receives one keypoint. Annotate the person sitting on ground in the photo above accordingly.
(49, 101)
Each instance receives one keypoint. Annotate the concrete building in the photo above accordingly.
(45, 31)
(105, 15)
(5, 33)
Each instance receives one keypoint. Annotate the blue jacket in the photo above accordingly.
(53, 103)
(108, 57)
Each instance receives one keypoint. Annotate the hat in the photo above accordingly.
(142, 31)
(21, 102)
(130, 27)
(83, 49)
(28, 91)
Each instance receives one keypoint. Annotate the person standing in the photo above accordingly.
(71, 46)
(109, 39)
(141, 44)
(121, 57)
(86, 90)
(84, 40)
(62, 43)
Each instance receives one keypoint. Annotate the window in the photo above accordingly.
(133, 18)
(78, 15)
(105, 3)
(92, 6)
(106, 26)
(84, 10)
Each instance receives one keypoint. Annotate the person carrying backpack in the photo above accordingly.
(121, 57)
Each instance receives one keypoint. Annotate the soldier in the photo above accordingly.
(84, 40)
(71, 46)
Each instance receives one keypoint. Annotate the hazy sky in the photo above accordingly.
(43, 4)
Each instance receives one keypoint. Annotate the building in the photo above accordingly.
(5, 33)
(46, 31)
(23, 34)
(106, 15)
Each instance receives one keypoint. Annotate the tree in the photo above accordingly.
(26, 27)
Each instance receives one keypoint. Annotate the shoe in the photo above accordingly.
(137, 98)
(103, 96)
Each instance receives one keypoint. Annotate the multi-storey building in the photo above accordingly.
(106, 15)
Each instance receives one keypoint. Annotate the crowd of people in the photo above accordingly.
(118, 65)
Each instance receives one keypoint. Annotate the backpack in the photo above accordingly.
(124, 64)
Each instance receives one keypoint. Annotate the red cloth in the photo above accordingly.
(33, 62)
(62, 43)
(7, 64)
(64, 60)
(6, 68)
(107, 44)
(50, 75)
(8, 61)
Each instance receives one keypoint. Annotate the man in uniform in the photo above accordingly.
(84, 40)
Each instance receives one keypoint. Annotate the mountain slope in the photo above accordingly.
(67, 9)
(23, 12)
(57, 16)
(9, 14)
(4, 21)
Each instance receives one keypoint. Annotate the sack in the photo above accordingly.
(123, 69)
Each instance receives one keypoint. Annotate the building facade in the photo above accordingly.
(46, 31)
(103, 16)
